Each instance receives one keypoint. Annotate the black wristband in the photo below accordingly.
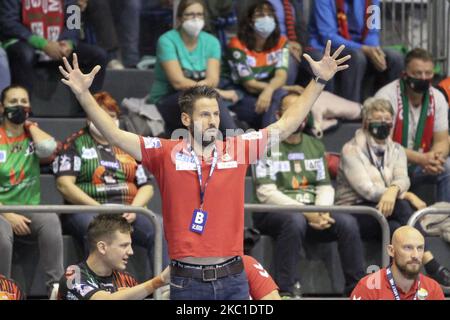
(320, 80)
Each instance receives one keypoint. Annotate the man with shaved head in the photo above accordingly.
(402, 280)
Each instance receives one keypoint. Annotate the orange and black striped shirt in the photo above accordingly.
(9, 290)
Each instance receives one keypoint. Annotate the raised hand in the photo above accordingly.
(328, 66)
(77, 81)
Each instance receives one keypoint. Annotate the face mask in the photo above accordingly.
(16, 114)
(93, 129)
(264, 26)
(379, 130)
(418, 85)
(193, 26)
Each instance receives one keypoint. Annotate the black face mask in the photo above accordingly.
(418, 85)
(380, 130)
(16, 114)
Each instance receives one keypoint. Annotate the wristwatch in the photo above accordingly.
(320, 80)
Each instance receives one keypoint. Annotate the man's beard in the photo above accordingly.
(407, 272)
(200, 137)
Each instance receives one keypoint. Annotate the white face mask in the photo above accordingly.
(193, 26)
(93, 129)
(264, 26)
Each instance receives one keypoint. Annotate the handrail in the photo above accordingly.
(68, 209)
(385, 238)
(429, 210)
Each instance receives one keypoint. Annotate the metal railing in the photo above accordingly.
(68, 209)
(423, 212)
(418, 23)
(385, 233)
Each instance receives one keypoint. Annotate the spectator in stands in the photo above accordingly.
(115, 24)
(347, 22)
(205, 249)
(373, 172)
(90, 171)
(22, 145)
(291, 18)
(102, 276)
(402, 280)
(297, 174)
(5, 76)
(420, 122)
(260, 283)
(186, 57)
(34, 31)
(10, 290)
(259, 60)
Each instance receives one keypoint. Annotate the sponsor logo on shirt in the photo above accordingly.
(227, 165)
(251, 61)
(141, 177)
(262, 271)
(30, 149)
(88, 153)
(110, 164)
(83, 289)
(64, 163)
(254, 135)
(422, 294)
(76, 164)
(296, 156)
(2, 156)
(152, 143)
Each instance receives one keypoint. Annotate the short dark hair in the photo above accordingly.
(184, 4)
(11, 87)
(103, 226)
(188, 97)
(418, 53)
(246, 32)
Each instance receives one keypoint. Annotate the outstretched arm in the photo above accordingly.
(324, 69)
(79, 83)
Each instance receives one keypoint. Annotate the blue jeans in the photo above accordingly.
(143, 234)
(233, 287)
(290, 229)
(5, 76)
(245, 109)
(442, 181)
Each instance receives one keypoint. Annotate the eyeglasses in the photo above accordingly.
(192, 15)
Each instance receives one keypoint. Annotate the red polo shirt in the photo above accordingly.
(171, 163)
(260, 282)
(376, 287)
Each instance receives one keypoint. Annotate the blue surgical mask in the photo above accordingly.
(264, 26)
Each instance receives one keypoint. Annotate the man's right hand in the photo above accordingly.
(432, 163)
(53, 50)
(78, 82)
(18, 223)
(376, 56)
(318, 220)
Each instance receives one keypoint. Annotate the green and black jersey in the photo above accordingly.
(296, 169)
(19, 170)
(106, 173)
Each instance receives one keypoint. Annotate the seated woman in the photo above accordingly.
(373, 172)
(259, 59)
(187, 57)
(91, 172)
(23, 146)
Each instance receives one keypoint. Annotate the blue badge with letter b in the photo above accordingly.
(198, 221)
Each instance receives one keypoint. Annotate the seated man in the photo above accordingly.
(421, 123)
(102, 276)
(347, 22)
(34, 31)
(402, 280)
(90, 171)
(22, 146)
(9, 290)
(298, 175)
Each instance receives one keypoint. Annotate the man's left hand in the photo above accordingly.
(130, 217)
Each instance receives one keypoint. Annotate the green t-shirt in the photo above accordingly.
(105, 173)
(296, 169)
(193, 63)
(19, 171)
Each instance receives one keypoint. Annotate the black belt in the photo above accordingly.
(208, 272)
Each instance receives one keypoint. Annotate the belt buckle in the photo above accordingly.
(207, 271)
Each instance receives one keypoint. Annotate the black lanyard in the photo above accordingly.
(199, 173)
(380, 167)
(394, 287)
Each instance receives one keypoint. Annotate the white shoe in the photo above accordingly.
(115, 64)
(54, 292)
